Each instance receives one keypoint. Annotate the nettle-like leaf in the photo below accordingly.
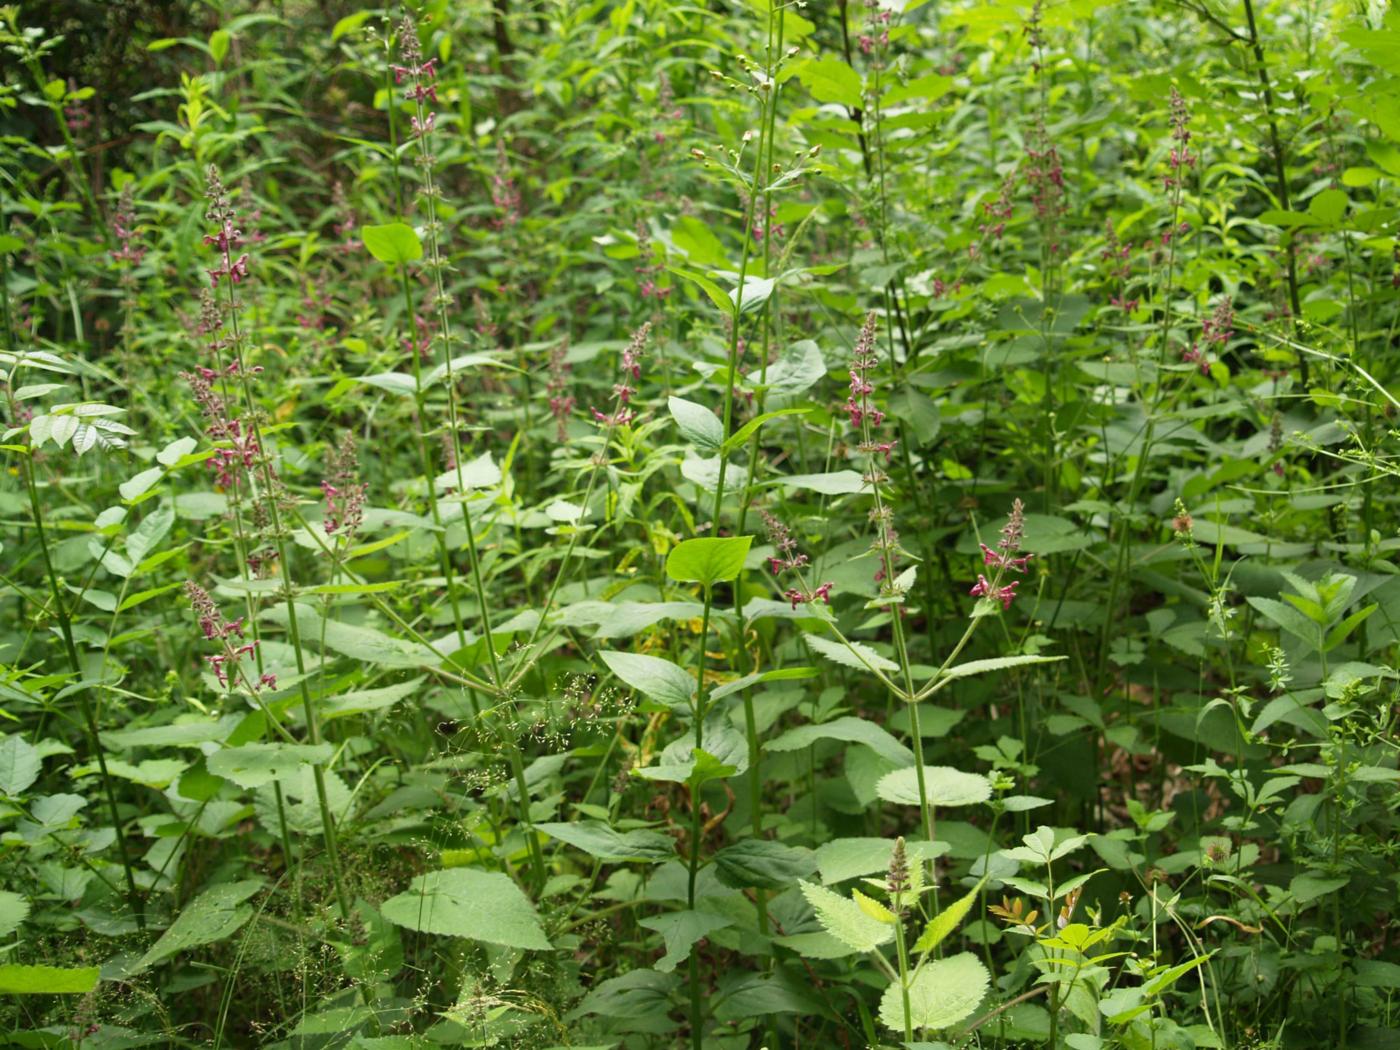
(217, 913)
(844, 919)
(850, 654)
(941, 993)
(464, 902)
(725, 754)
(946, 921)
(943, 786)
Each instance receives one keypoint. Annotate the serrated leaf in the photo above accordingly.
(600, 840)
(946, 921)
(465, 902)
(842, 918)
(214, 915)
(847, 728)
(941, 994)
(19, 765)
(943, 786)
(850, 654)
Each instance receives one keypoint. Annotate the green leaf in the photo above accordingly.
(19, 765)
(714, 291)
(697, 423)
(847, 858)
(139, 484)
(219, 42)
(848, 728)
(831, 80)
(941, 994)
(737, 439)
(349, 24)
(918, 411)
(763, 864)
(833, 483)
(998, 663)
(946, 921)
(47, 980)
(253, 765)
(798, 368)
(655, 678)
(1328, 207)
(943, 786)
(681, 931)
(600, 840)
(364, 644)
(725, 754)
(850, 654)
(14, 909)
(214, 915)
(393, 242)
(708, 561)
(465, 902)
(843, 919)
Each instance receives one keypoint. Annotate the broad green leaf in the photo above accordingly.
(47, 980)
(219, 42)
(842, 918)
(466, 902)
(849, 858)
(19, 765)
(698, 424)
(681, 931)
(364, 644)
(848, 728)
(833, 483)
(253, 765)
(393, 242)
(831, 80)
(217, 913)
(798, 368)
(763, 864)
(599, 840)
(1328, 207)
(655, 678)
(943, 786)
(941, 994)
(709, 560)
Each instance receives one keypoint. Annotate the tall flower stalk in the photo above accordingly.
(226, 276)
(419, 76)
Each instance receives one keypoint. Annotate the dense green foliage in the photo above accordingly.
(647, 524)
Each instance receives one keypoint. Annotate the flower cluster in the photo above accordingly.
(419, 74)
(124, 230)
(228, 237)
(666, 108)
(648, 269)
(790, 559)
(877, 32)
(623, 391)
(242, 449)
(863, 362)
(561, 401)
(504, 194)
(343, 490)
(1180, 158)
(215, 628)
(1004, 558)
(1216, 331)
